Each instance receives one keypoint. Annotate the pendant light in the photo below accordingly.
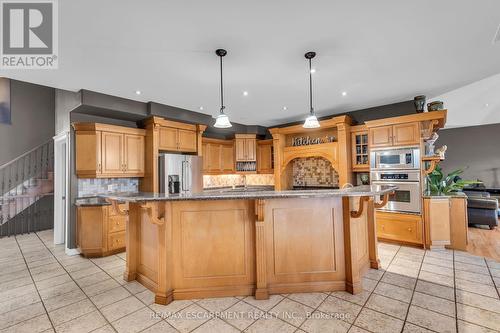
(222, 120)
(311, 120)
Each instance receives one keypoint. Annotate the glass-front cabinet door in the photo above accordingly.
(360, 151)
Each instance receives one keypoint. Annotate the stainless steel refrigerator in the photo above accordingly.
(180, 173)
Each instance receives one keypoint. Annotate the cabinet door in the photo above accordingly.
(214, 157)
(250, 149)
(88, 153)
(168, 138)
(134, 154)
(240, 150)
(112, 153)
(264, 159)
(406, 134)
(187, 140)
(359, 143)
(381, 136)
(227, 158)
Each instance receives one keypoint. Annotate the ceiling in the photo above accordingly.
(379, 52)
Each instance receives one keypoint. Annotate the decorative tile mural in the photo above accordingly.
(314, 171)
(210, 181)
(92, 187)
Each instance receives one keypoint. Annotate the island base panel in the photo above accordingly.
(207, 248)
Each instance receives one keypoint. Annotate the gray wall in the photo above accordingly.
(475, 148)
(33, 120)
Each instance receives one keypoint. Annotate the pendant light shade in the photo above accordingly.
(311, 120)
(222, 120)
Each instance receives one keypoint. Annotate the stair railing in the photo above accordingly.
(16, 177)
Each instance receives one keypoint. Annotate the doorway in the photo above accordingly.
(61, 187)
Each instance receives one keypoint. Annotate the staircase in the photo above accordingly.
(26, 192)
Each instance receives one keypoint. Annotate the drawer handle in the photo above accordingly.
(409, 229)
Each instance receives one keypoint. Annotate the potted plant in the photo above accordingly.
(438, 184)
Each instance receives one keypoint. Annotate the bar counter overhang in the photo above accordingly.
(257, 243)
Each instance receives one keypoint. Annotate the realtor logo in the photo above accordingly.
(29, 34)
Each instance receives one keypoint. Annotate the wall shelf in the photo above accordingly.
(431, 162)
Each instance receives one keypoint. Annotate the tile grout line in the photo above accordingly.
(36, 288)
(371, 292)
(72, 279)
(413, 291)
(492, 278)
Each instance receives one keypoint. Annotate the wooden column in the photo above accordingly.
(261, 292)
(353, 278)
(150, 181)
(157, 214)
(200, 129)
(372, 234)
(344, 156)
(131, 242)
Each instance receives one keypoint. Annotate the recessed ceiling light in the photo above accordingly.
(285, 108)
(201, 108)
(245, 93)
(313, 70)
(486, 105)
(344, 93)
(138, 92)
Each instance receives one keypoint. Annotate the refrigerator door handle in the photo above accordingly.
(183, 176)
(188, 176)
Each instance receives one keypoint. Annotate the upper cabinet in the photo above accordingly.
(360, 152)
(265, 156)
(246, 147)
(218, 156)
(405, 134)
(178, 139)
(104, 151)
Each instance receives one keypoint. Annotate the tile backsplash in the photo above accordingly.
(210, 181)
(91, 187)
(314, 171)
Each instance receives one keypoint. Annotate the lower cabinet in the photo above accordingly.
(446, 222)
(399, 227)
(100, 231)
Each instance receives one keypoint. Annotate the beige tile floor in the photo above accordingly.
(44, 290)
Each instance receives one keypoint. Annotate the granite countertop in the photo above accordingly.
(356, 191)
(93, 201)
(451, 195)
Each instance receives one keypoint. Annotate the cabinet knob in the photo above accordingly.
(409, 229)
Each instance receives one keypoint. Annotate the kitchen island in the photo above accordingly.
(239, 243)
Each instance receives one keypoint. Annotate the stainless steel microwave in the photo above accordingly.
(395, 158)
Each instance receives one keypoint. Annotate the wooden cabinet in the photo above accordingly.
(399, 227)
(104, 151)
(446, 222)
(395, 135)
(246, 147)
(227, 158)
(360, 152)
(218, 156)
(133, 154)
(112, 153)
(178, 139)
(265, 156)
(437, 222)
(168, 138)
(100, 231)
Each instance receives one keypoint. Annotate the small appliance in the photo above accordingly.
(395, 158)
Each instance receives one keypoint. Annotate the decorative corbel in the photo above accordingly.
(116, 207)
(359, 212)
(385, 199)
(152, 211)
